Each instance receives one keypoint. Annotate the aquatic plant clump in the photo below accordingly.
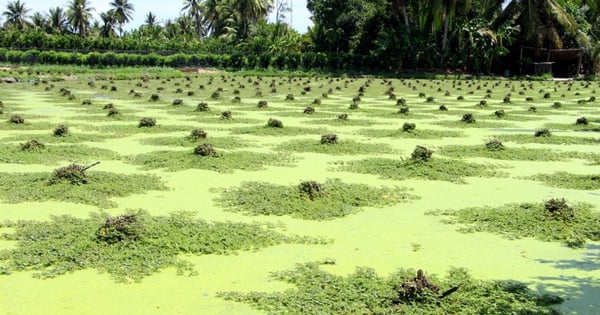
(274, 123)
(197, 134)
(147, 122)
(61, 131)
(16, 119)
(205, 149)
(32, 146)
(317, 291)
(569, 181)
(74, 174)
(441, 169)
(98, 187)
(334, 148)
(223, 163)
(130, 246)
(329, 139)
(310, 200)
(551, 221)
(421, 154)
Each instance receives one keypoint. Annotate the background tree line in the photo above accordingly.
(382, 35)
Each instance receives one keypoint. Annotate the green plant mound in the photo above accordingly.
(187, 141)
(478, 124)
(341, 147)
(416, 133)
(31, 153)
(225, 162)
(343, 121)
(551, 221)
(331, 199)
(569, 181)
(131, 246)
(511, 153)
(561, 140)
(267, 131)
(364, 292)
(435, 169)
(99, 187)
(74, 138)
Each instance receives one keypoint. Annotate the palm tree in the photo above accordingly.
(150, 20)
(79, 14)
(123, 11)
(541, 22)
(16, 14)
(57, 20)
(109, 21)
(193, 8)
(38, 21)
(250, 12)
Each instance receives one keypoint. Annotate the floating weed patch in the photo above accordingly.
(569, 181)
(100, 186)
(115, 116)
(511, 117)
(71, 138)
(224, 120)
(332, 199)
(435, 169)
(341, 147)
(301, 114)
(133, 128)
(51, 154)
(225, 162)
(131, 246)
(27, 125)
(341, 122)
(364, 292)
(221, 142)
(538, 220)
(417, 133)
(513, 154)
(267, 131)
(521, 138)
(477, 124)
(574, 127)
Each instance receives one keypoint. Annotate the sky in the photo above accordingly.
(300, 17)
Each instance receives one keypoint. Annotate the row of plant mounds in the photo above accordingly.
(309, 200)
(553, 220)
(129, 246)
(72, 183)
(405, 291)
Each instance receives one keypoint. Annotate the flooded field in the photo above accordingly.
(286, 171)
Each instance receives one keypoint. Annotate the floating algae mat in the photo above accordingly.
(253, 221)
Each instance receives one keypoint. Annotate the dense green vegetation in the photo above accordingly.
(365, 292)
(552, 221)
(98, 188)
(381, 35)
(131, 246)
(309, 200)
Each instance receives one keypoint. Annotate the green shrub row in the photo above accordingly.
(232, 61)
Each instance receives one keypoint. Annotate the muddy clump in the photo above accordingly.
(312, 189)
(126, 227)
(73, 174)
(205, 149)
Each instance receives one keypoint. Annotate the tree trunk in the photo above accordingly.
(445, 38)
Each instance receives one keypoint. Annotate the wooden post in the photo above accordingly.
(521, 61)
(579, 63)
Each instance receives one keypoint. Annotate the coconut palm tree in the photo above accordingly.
(193, 8)
(123, 12)
(542, 22)
(79, 15)
(250, 12)
(57, 21)
(38, 21)
(150, 20)
(109, 21)
(16, 14)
